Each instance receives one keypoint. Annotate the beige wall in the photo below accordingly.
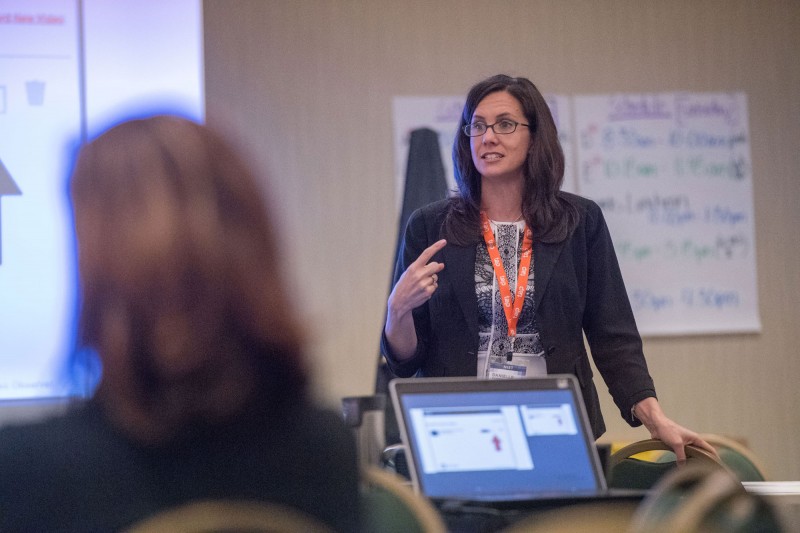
(306, 86)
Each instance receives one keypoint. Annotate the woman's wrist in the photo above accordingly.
(648, 412)
(400, 334)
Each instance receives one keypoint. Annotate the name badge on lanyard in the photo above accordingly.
(505, 371)
(524, 365)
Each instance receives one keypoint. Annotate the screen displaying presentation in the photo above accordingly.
(68, 70)
(499, 442)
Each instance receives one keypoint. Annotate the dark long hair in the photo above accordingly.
(550, 215)
(181, 293)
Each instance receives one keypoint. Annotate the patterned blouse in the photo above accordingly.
(495, 343)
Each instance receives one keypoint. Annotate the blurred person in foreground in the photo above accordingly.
(203, 394)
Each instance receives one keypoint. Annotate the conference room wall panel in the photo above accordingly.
(306, 87)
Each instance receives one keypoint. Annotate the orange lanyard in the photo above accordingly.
(512, 306)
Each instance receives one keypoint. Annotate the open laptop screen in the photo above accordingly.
(497, 440)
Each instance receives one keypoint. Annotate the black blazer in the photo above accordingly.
(578, 289)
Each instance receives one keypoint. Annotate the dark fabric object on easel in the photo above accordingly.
(425, 184)
(425, 179)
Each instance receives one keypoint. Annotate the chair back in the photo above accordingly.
(390, 505)
(366, 416)
(229, 515)
(628, 472)
(737, 457)
(395, 460)
(612, 516)
(700, 498)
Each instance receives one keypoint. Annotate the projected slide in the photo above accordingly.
(39, 117)
(459, 440)
(67, 67)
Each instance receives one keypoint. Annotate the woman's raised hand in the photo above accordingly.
(414, 288)
(418, 282)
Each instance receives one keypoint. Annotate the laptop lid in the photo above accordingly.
(471, 439)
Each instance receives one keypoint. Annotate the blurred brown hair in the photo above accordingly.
(181, 292)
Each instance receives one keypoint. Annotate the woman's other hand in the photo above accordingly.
(663, 428)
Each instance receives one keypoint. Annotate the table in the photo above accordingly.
(784, 495)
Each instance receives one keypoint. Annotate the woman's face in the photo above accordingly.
(500, 156)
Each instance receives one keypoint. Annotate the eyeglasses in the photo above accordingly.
(501, 127)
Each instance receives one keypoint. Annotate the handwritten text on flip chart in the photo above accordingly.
(673, 175)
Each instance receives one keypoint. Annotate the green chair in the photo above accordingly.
(701, 498)
(389, 505)
(737, 457)
(612, 516)
(213, 516)
(627, 472)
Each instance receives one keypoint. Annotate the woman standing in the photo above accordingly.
(504, 279)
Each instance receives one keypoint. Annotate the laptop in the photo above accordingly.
(500, 443)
